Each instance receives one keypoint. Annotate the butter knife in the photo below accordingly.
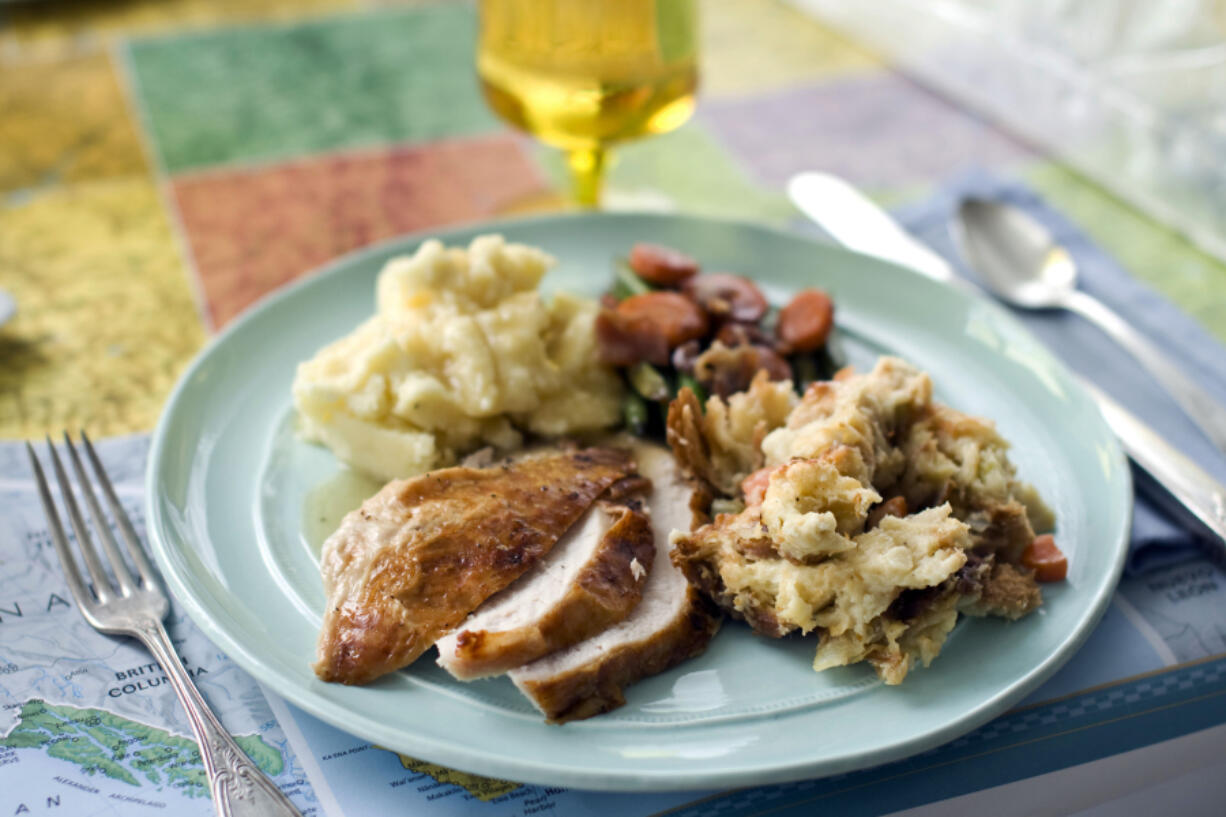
(857, 223)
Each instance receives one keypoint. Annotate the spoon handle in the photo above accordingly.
(1193, 399)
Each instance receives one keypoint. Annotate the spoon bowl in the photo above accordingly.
(1018, 260)
(1014, 255)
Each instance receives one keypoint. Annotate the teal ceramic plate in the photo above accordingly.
(238, 507)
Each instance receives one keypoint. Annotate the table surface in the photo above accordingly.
(165, 163)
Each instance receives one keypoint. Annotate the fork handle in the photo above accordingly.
(239, 788)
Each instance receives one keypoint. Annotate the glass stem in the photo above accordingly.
(587, 166)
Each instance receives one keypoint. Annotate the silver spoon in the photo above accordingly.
(1019, 261)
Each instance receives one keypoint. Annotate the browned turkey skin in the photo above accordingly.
(423, 553)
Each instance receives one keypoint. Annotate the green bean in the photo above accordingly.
(830, 358)
(626, 281)
(771, 319)
(690, 382)
(806, 369)
(634, 413)
(648, 381)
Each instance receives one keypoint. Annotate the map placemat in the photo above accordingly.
(165, 163)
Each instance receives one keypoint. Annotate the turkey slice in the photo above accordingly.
(671, 623)
(593, 578)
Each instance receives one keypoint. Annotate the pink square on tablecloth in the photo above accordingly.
(250, 230)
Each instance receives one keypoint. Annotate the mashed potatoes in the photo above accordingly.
(462, 352)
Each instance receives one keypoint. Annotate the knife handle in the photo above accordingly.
(1193, 491)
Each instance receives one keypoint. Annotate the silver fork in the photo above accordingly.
(136, 608)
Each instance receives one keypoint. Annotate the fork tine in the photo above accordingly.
(121, 517)
(123, 575)
(102, 585)
(71, 572)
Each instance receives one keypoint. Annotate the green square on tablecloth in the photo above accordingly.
(687, 170)
(243, 94)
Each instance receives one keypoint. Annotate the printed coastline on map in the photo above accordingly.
(88, 722)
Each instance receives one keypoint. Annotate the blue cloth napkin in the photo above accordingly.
(1157, 539)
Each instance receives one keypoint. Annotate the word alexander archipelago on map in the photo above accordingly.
(53, 800)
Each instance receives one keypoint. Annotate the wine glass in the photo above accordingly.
(584, 74)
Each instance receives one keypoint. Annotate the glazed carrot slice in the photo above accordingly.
(625, 340)
(662, 266)
(674, 316)
(1046, 559)
(805, 323)
(754, 486)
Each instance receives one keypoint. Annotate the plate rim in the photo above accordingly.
(525, 769)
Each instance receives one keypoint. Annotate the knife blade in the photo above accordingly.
(858, 223)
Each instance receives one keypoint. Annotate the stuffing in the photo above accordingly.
(867, 514)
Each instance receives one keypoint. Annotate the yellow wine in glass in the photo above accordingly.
(584, 74)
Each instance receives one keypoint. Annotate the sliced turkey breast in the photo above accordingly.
(423, 553)
(671, 623)
(593, 578)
